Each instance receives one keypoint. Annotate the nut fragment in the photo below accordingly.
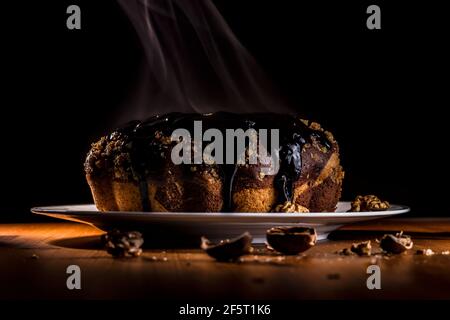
(425, 252)
(345, 252)
(289, 207)
(396, 244)
(228, 250)
(291, 240)
(368, 203)
(333, 276)
(362, 249)
(121, 244)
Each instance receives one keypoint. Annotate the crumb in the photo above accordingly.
(345, 252)
(305, 122)
(425, 252)
(258, 280)
(333, 276)
(261, 175)
(315, 126)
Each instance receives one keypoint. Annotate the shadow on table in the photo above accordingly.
(94, 243)
(5, 241)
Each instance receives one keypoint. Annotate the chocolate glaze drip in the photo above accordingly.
(229, 171)
(148, 153)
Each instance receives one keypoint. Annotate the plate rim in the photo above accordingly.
(62, 210)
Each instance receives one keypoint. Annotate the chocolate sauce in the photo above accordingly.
(148, 153)
(229, 172)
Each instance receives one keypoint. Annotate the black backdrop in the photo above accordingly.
(382, 92)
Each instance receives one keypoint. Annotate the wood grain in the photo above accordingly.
(34, 258)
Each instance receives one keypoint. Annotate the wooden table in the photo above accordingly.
(34, 258)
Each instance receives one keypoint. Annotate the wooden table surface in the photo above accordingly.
(34, 258)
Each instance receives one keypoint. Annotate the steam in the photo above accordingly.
(194, 62)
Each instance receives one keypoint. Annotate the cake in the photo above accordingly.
(131, 168)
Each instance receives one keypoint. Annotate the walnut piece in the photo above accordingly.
(396, 244)
(368, 203)
(362, 249)
(122, 244)
(289, 207)
(425, 252)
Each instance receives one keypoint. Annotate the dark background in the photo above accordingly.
(381, 92)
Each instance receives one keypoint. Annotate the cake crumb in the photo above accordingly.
(261, 175)
(305, 122)
(425, 252)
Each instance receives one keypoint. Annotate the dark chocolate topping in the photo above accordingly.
(148, 151)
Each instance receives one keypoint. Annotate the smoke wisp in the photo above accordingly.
(194, 62)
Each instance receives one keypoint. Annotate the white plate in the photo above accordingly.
(180, 226)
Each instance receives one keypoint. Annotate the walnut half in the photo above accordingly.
(289, 207)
